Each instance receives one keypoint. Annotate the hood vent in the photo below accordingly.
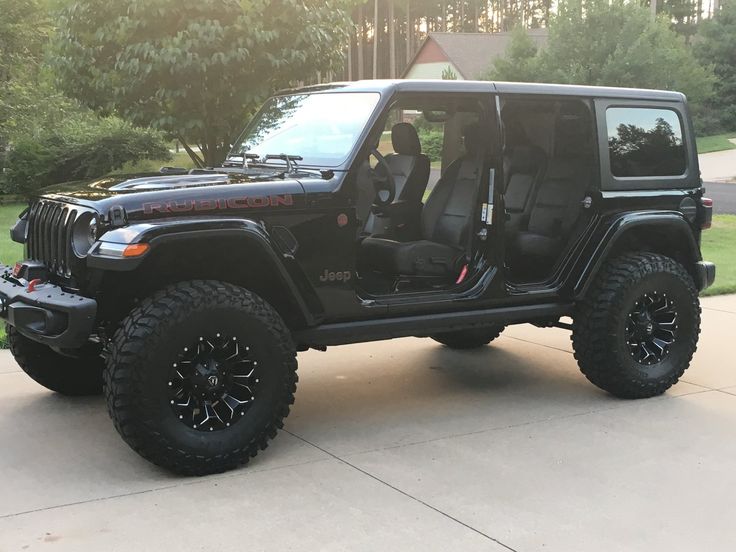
(169, 182)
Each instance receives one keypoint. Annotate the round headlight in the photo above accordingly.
(84, 233)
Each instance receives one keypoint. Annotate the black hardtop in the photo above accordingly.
(468, 86)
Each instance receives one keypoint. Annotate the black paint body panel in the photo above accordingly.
(306, 225)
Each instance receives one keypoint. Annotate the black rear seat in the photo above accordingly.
(556, 204)
(525, 168)
(554, 211)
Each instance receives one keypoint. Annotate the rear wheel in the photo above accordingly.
(200, 376)
(635, 333)
(80, 374)
(468, 339)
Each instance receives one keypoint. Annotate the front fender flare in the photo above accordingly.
(160, 233)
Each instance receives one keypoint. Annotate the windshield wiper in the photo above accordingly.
(242, 158)
(290, 160)
(292, 167)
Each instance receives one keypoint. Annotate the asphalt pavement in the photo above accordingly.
(402, 445)
(723, 195)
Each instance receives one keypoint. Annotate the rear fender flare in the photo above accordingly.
(680, 236)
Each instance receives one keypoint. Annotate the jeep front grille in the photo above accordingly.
(50, 235)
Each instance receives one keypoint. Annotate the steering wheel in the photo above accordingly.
(384, 184)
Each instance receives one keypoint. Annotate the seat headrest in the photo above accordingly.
(405, 140)
(526, 159)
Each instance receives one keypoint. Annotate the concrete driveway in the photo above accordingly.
(402, 445)
(718, 165)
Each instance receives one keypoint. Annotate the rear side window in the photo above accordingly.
(645, 142)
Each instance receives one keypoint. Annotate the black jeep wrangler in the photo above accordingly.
(359, 212)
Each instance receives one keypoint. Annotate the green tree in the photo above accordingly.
(448, 74)
(682, 15)
(716, 44)
(599, 43)
(23, 33)
(83, 146)
(519, 63)
(194, 68)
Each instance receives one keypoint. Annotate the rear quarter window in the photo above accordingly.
(644, 142)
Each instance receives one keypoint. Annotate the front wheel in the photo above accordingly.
(200, 376)
(77, 374)
(637, 329)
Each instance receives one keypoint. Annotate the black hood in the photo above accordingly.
(153, 195)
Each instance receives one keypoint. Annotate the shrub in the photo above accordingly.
(431, 141)
(80, 148)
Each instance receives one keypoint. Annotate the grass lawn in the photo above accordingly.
(9, 250)
(717, 142)
(180, 159)
(719, 247)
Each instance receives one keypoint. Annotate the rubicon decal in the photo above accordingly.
(213, 204)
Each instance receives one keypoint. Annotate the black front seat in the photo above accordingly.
(446, 224)
(410, 169)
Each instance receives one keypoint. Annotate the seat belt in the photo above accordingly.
(475, 176)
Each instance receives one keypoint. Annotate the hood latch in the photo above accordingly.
(117, 216)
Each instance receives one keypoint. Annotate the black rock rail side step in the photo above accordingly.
(427, 324)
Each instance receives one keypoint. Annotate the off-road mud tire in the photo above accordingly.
(140, 355)
(80, 374)
(598, 336)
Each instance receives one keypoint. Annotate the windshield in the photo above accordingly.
(320, 128)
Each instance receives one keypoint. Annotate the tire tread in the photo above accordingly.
(593, 337)
(127, 351)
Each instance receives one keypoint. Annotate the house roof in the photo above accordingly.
(473, 53)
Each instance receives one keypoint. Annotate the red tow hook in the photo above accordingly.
(32, 284)
(463, 274)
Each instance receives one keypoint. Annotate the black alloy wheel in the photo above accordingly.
(651, 328)
(213, 382)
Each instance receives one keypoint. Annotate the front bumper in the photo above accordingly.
(706, 274)
(47, 314)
